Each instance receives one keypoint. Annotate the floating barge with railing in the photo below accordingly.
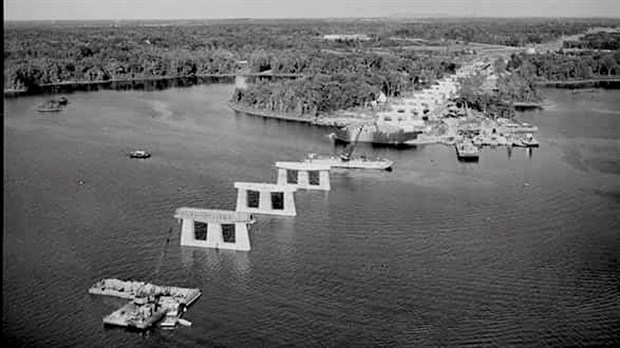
(149, 303)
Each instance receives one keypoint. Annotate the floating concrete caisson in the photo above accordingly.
(310, 176)
(262, 198)
(222, 229)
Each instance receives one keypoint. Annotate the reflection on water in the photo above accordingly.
(517, 249)
(216, 260)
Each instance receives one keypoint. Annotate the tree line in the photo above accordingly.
(44, 54)
(567, 66)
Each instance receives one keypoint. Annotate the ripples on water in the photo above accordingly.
(513, 250)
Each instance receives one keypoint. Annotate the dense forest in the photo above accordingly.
(40, 53)
(337, 82)
(567, 66)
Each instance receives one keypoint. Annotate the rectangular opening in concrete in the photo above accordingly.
(228, 233)
(200, 230)
(253, 198)
(277, 200)
(314, 178)
(291, 176)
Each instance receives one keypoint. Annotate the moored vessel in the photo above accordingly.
(466, 151)
(352, 162)
(376, 134)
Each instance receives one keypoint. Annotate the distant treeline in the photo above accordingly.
(508, 32)
(596, 41)
(46, 54)
(568, 66)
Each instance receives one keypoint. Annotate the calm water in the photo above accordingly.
(513, 250)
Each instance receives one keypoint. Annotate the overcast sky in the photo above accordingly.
(203, 9)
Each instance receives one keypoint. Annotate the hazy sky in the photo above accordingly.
(200, 9)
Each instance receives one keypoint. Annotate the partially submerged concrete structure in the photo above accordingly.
(209, 228)
(303, 175)
(265, 198)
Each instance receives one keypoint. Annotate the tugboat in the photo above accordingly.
(466, 151)
(140, 154)
(345, 160)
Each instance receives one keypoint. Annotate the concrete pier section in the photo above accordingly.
(301, 175)
(209, 228)
(263, 198)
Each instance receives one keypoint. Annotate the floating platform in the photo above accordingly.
(136, 316)
(149, 303)
(466, 151)
(131, 289)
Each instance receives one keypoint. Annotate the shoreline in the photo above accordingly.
(268, 114)
(336, 121)
(80, 85)
(597, 83)
(136, 83)
(70, 86)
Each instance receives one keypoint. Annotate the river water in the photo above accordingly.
(518, 249)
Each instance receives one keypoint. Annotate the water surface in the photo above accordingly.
(518, 249)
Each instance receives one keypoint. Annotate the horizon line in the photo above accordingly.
(391, 17)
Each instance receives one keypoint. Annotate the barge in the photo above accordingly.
(466, 151)
(149, 303)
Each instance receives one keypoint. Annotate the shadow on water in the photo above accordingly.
(127, 85)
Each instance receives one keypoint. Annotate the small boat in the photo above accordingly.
(42, 108)
(53, 105)
(169, 321)
(466, 151)
(139, 154)
(351, 162)
(184, 322)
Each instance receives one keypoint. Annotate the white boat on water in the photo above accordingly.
(184, 322)
(141, 154)
(351, 163)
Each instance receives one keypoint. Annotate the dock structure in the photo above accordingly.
(304, 175)
(263, 198)
(209, 228)
(149, 303)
